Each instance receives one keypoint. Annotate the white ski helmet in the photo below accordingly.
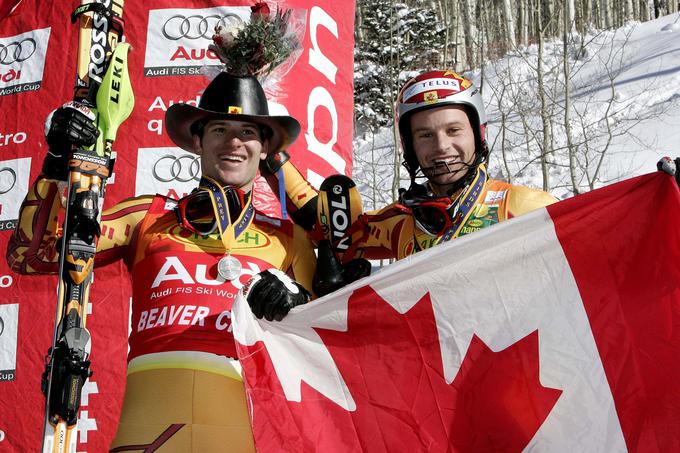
(434, 89)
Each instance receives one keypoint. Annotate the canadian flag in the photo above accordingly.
(555, 331)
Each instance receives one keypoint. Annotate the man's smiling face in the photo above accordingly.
(444, 143)
(231, 152)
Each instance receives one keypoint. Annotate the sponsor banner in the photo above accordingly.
(14, 181)
(9, 328)
(317, 91)
(318, 96)
(177, 40)
(22, 61)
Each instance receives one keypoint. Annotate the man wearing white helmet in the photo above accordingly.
(441, 121)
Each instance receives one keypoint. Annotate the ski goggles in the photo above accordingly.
(196, 213)
(432, 214)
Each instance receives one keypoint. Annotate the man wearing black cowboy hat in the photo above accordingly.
(188, 259)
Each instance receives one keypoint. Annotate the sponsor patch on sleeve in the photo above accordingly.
(495, 197)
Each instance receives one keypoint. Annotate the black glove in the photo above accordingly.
(330, 275)
(273, 162)
(271, 294)
(670, 166)
(70, 125)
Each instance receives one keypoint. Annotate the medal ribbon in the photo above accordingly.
(229, 231)
(465, 208)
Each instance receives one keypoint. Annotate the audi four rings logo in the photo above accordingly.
(4, 186)
(181, 169)
(195, 27)
(17, 52)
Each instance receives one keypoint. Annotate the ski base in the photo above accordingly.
(60, 438)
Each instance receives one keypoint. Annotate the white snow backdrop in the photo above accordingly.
(630, 76)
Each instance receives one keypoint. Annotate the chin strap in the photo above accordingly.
(481, 157)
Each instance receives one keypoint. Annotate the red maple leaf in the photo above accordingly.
(500, 403)
(391, 364)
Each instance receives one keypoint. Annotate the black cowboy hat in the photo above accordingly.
(230, 97)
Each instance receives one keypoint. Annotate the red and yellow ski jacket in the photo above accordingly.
(179, 302)
(391, 232)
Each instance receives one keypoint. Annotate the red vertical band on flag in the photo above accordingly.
(623, 246)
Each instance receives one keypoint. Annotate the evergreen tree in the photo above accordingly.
(393, 40)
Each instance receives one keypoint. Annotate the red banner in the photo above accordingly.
(38, 46)
(555, 331)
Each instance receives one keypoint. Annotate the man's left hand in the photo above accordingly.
(670, 166)
(271, 294)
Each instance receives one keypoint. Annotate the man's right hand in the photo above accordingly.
(271, 294)
(70, 125)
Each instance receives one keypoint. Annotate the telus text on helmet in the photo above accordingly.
(429, 85)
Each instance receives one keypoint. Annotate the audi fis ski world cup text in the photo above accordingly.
(174, 270)
(178, 39)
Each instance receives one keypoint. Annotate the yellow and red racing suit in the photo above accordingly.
(391, 232)
(184, 392)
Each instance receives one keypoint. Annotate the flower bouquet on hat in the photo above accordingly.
(266, 47)
(256, 53)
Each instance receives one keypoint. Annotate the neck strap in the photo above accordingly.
(230, 230)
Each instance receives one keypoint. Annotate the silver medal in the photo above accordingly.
(229, 267)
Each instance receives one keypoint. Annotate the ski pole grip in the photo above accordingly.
(273, 162)
(328, 275)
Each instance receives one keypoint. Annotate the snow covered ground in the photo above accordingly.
(625, 81)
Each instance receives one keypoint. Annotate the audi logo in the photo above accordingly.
(181, 169)
(195, 27)
(5, 185)
(17, 52)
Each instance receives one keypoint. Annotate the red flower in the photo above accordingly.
(260, 9)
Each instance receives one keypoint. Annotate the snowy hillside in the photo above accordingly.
(625, 113)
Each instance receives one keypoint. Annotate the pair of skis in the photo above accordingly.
(103, 85)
